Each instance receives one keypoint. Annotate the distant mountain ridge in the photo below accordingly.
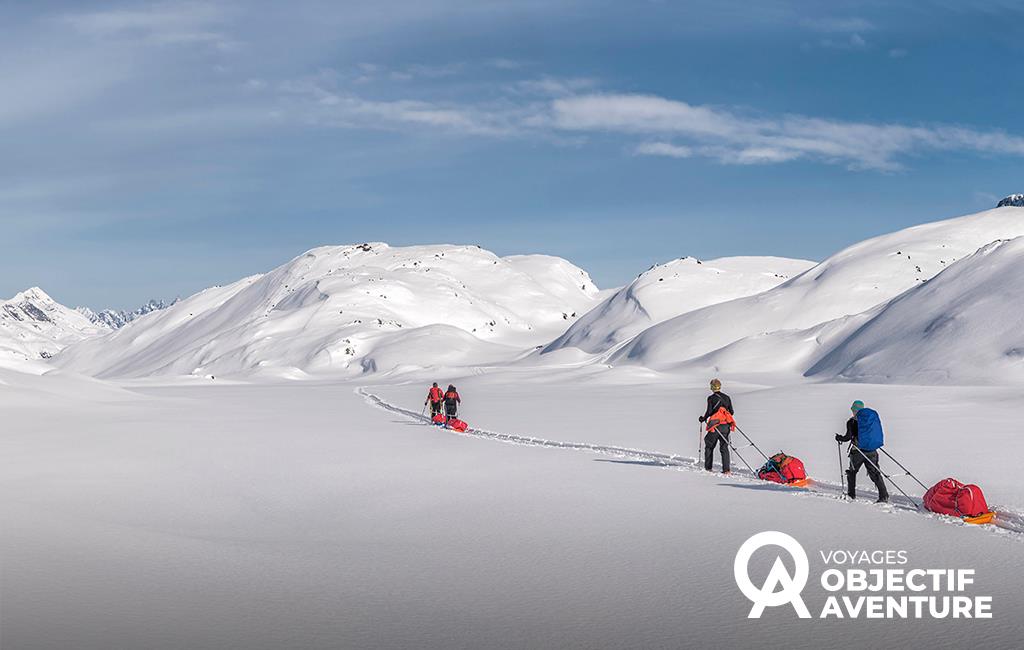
(911, 306)
(115, 319)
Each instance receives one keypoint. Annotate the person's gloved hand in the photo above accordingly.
(839, 438)
(701, 419)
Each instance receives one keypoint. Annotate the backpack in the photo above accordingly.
(951, 497)
(781, 468)
(720, 418)
(869, 430)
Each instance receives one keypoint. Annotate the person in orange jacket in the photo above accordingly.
(718, 417)
(435, 397)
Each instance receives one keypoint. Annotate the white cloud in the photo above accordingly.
(762, 155)
(108, 47)
(159, 23)
(732, 138)
(553, 86)
(847, 33)
(662, 149)
(643, 114)
(668, 128)
(852, 42)
(850, 24)
(726, 135)
(375, 72)
(321, 101)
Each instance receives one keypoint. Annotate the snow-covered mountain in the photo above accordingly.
(34, 326)
(813, 310)
(360, 308)
(1012, 201)
(375, 308)
(668, 290)
(964, 326)
(118, 318)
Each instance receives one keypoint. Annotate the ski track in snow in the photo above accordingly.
(1009, 521)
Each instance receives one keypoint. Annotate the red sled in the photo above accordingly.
(456, 424)
(438, 420)
(788, 470)
(951, 497)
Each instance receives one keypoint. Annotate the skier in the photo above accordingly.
(435, 396)
(451, 402)
(864, 452)
(718, 417)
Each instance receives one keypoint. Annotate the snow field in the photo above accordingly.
(299, 515)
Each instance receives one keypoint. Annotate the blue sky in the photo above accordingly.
(154, 149)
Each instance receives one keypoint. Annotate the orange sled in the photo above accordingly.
(981, 519)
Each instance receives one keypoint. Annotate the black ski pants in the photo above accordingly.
(720, 436)
(859, 457)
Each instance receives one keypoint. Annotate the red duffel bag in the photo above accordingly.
(951, 497)
(438, 419)
(781, 468)
(456, 424)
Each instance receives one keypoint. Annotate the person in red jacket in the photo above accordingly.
(435, 397)
(451, 402)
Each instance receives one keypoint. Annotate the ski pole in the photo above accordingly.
(882, 449)
(879, 470)
(700, 441)
(735, 451)
(767, 460)
(752, 443)
(842, 474)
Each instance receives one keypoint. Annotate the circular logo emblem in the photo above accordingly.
(779, 587)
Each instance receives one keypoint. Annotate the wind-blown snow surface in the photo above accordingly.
(353, 309)
(966, 325)
(34, 326)
(297, 515)
(670, 289)
(791, 326)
